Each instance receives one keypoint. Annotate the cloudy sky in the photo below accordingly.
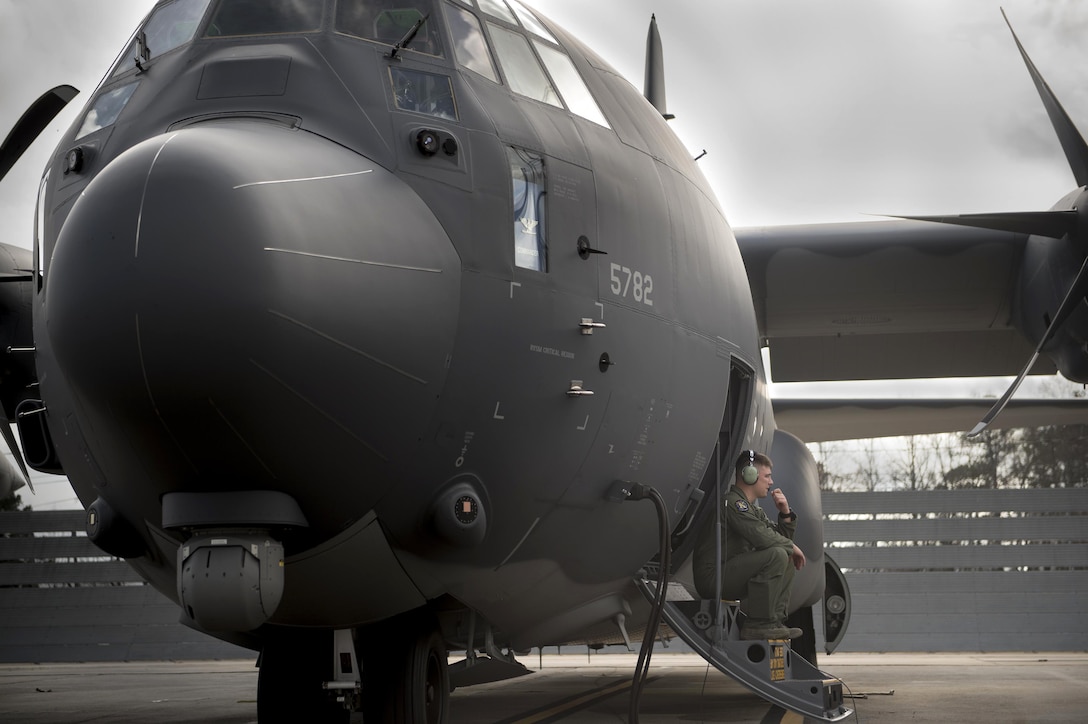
(809, 110)
(826, 110)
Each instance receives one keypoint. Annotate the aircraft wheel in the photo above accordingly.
(407, 679)
(293, 667)
(424, 690)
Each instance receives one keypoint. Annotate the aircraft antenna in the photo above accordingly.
(655, 71)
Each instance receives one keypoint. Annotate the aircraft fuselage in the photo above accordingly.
(293, 265)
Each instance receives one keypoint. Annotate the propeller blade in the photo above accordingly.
(39, 115)
(990, 416)
(1054, 224)
(1075, 296)
(1076, 150)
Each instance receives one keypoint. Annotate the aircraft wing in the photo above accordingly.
(886, 300)
(824, 420)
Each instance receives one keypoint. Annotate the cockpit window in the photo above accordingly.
(265, 17)
(530, 234)
(169, 27)
(390, 21)
(420, 92)
(469, 44)
(529, 21)
(523, 70)
(106, 109)
(571, 86)
(508, 9)
(498, 9)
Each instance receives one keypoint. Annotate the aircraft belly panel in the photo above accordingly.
(350, 580)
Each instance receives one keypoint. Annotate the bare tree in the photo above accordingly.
(868, 461)
(913, 469)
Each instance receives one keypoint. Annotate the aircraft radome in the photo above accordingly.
(358, 326)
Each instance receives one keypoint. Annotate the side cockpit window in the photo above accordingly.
(106, 109)
(265, 17)
(168, 28)
(534, 63)
(530, 237)
(391, 21)
(469, 43)
(523, 71)
(427, 93)
(571, 86)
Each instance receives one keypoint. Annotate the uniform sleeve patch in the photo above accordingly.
(742, 506)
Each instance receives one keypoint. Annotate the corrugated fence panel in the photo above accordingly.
(63, 599)
(974, 570)
(956, 557)
(989, 528)
(49, 547)
(1046, 500)
(48, 572)
(963, 570)
(49, 521)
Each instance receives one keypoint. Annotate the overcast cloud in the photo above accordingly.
(826, 110)
(810, 110)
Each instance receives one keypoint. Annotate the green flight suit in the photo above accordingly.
(758, 568)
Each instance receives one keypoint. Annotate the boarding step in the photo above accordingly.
(769, 668)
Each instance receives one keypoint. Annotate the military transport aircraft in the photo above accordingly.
(358, 326)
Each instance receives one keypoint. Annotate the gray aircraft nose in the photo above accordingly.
(246, 292)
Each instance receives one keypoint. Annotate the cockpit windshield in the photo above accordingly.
(169, 27)
(265, 17)
(392, 21)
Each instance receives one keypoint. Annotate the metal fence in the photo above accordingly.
(63, 599)
(961, 570)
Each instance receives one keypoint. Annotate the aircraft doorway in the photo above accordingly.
(738, 406)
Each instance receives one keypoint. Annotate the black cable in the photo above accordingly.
(642, 668)
(702, 690)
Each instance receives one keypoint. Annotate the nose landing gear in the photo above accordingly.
(405, 672)
(404, 675)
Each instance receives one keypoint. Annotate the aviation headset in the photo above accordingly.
(749, 473)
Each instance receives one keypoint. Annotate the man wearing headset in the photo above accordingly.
(760, 556)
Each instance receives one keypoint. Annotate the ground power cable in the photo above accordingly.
(642, 668)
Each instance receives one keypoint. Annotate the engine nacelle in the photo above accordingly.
(796, 473)
(1047, 274)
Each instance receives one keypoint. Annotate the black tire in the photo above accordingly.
(425, 687)
(405, 674)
